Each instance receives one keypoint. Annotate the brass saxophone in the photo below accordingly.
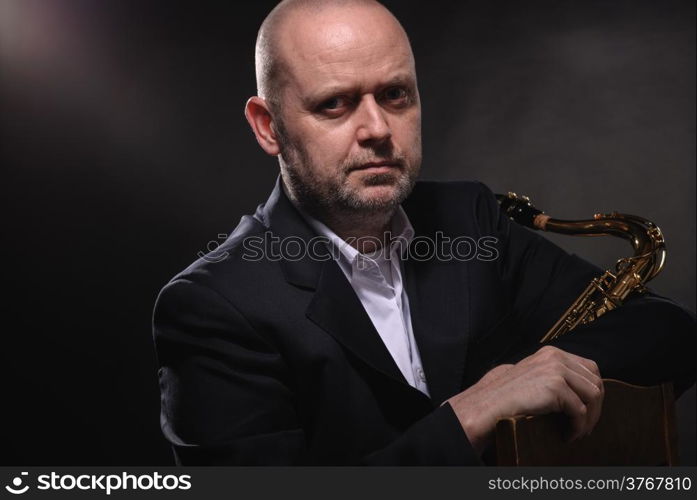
(608, 291)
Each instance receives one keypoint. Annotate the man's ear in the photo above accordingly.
(257, 113)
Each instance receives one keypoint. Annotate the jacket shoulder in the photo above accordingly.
(231, 262)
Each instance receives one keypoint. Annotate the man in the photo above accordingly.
(365, 349)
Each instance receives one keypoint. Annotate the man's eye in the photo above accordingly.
(396, 94)
(333, 103)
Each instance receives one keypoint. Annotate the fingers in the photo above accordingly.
(586, 382)
(586, 368)
(583, 370)
(590, 394)
(570, 403)
(587, 390)
(582, 377)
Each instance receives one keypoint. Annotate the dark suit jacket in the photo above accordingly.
(277, 362)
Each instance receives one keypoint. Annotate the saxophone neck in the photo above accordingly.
(645, 237)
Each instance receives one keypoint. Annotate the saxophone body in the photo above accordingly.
(608, 291)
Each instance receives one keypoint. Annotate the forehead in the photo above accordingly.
(357, 47)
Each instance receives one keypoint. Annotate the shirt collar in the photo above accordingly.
(401, 234)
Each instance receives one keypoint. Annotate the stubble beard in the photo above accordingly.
(339, 199)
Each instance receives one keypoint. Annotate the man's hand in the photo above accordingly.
(551, 380)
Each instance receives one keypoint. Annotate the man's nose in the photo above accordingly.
(372, 125)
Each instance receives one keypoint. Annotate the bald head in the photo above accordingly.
(290, 19)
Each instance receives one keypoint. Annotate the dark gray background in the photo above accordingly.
(125, 152)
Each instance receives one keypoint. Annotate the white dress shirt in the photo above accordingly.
(377, 279)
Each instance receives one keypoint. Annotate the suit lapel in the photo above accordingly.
(336, 309)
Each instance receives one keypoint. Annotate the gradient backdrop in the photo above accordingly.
(124, 152)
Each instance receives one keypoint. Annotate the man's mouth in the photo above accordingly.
(378, 167)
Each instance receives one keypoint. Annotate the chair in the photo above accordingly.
(636, 427)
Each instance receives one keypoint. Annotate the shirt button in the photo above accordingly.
(420, 373)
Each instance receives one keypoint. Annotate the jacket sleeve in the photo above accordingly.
(648, 340)
(226, 398)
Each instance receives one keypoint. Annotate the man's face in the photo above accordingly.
(350, 124)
